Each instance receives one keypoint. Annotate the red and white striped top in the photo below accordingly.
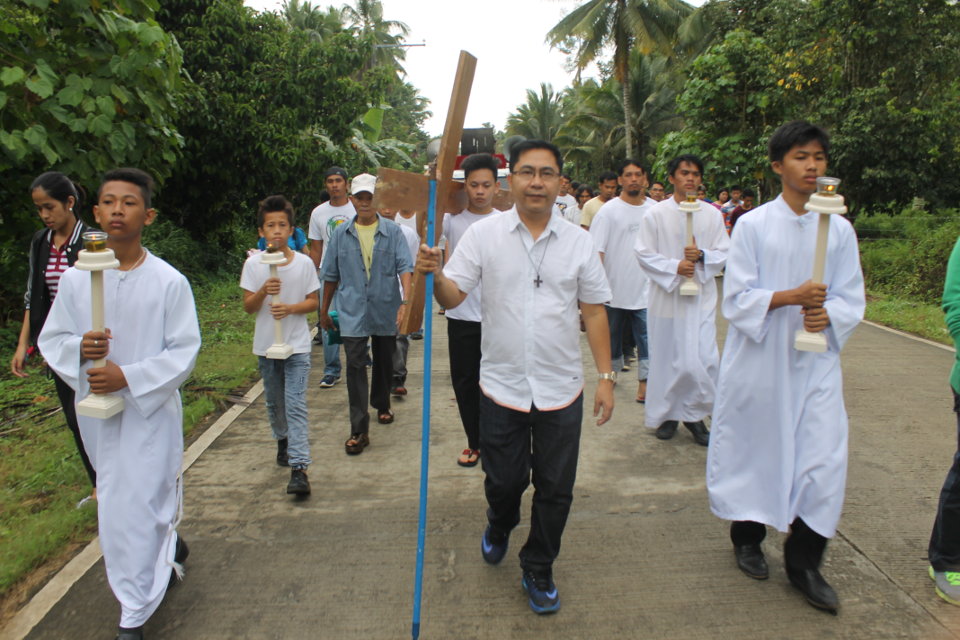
(56, 265)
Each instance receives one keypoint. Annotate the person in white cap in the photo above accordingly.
(361, 266)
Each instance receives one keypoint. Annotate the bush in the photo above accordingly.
(905, 253)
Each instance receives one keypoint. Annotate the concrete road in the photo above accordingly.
(642, 558)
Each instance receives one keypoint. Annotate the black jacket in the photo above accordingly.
(37, 299)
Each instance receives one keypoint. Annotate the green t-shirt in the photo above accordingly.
(951, 307)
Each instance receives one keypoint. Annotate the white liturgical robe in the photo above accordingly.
(138, 452)
(681, 330)
(778, 443)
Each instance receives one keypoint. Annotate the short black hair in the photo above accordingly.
(659, 183)
(674, 164)
(271, 204)
(605, 176)
(796, 134)
(529, 145)
(61, 188)
(132, 175)
(567, 176)
(736, 187)
(479, 161)
(579, 190)
(626, 162)
(748, 193)
(722, 189)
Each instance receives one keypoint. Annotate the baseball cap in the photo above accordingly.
(335, 171)
(363, 182)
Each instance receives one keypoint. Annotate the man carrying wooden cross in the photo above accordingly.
(534, 268)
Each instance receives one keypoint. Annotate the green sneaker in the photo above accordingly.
(947, 584)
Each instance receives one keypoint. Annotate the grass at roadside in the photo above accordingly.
(41, 476)
(919, 318)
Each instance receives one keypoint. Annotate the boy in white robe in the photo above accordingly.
(778, 452)
(151, 344)
(682, 331)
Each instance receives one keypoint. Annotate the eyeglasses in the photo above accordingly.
(528, 173)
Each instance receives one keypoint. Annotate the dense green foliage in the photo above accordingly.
(84, 87)
(905, 252)
(222, 104)
(883, 77)
(259, 89)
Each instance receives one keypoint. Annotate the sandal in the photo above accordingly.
(357, 443)
(469, 458)
(385, 417)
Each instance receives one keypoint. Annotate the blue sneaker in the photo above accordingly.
(328, 381)
(493, 546)
(544, 597)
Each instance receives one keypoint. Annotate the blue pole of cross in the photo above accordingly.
(425, 432)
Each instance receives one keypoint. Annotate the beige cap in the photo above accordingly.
(363, 182)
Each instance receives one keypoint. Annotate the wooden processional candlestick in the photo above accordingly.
(825, 202)
(689, 286)
(96, 258)
(279, 350)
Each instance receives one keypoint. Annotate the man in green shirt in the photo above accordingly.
(944, 550)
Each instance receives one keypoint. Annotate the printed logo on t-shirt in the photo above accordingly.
(334, 222)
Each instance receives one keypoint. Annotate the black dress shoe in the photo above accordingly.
(667, 430)
(298, 484)
(130, 634)
(750, 560)
(699, 430)
(282, 458)
(814, 588)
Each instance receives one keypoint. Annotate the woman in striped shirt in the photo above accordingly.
(52, 250)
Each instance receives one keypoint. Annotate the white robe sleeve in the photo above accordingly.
(745, 305)
(661, 269)
(59, 341)
(153, 380)
(846, 299)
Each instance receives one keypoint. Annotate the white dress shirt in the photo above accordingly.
(531, 331)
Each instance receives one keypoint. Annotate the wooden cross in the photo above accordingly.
(402, 190)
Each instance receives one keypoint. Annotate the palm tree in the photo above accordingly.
(540, 117)
(318, 22)
(367, 19)
(594, 134)
(649, 25)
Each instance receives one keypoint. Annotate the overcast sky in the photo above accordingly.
(506, 37)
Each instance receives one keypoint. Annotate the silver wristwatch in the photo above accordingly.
(610, 375)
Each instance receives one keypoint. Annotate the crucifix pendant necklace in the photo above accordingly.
(537, 281)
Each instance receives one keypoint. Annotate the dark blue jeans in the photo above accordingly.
(944, 551)
(515, 443)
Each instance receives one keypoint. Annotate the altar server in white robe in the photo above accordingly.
(151, 345)
(778, 450)
(682, 334)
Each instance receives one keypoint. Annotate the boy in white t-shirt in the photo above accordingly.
(293, 295)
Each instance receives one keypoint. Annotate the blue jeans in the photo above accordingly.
(331, 357)
(331, 352)
(514, 444)
(285, 394)
(944, 551)
(636, 320)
